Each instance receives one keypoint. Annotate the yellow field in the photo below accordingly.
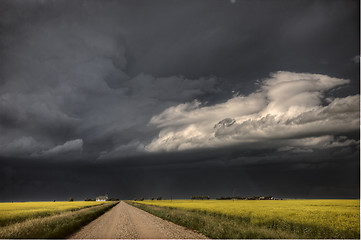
(20, 211)
(338, 215)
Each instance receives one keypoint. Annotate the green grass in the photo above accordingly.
(56, 226)
(262, 219)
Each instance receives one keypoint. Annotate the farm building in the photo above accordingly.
(102, 198)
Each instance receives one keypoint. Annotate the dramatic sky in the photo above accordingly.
(177, 98)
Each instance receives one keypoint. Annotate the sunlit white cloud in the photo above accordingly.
(287, 105)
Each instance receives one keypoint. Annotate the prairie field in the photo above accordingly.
(263, 218)
(20, 211)
(47, 219)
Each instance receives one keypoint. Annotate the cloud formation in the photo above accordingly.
(107, 88)
(124, 81)
(71, 82)
(68, 148)
(287, 105)
(21, 147)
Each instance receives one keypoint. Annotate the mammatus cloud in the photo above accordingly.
(287, 106)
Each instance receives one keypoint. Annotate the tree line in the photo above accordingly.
(205, 197)
(249, 198)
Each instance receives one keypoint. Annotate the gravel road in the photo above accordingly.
(125, 221)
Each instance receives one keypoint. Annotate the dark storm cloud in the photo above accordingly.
(60, 83)
(115, 83)
(303, 175)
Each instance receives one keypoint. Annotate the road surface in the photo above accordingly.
(125, 221)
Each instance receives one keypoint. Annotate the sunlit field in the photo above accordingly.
(20, 211)
(297, 218)
(48, 219)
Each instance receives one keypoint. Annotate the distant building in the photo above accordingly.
(102, 198)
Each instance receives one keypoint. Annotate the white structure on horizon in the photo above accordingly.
(102, 198)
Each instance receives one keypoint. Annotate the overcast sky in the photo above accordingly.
(179, 98)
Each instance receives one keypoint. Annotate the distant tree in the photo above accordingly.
(224, 198)
(54, 201)
(71, 199)
(200, 197)
(251, 198)
(152, 198)
(240, 198)
(159, 198)
(142, 199)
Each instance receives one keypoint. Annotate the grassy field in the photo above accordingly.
(47, 219)
(262, 219)
(20, 211)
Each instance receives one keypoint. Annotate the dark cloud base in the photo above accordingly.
(317, 175)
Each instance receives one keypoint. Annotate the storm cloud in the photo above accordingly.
(173, 86)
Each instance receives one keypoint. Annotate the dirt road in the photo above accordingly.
(125, 221)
